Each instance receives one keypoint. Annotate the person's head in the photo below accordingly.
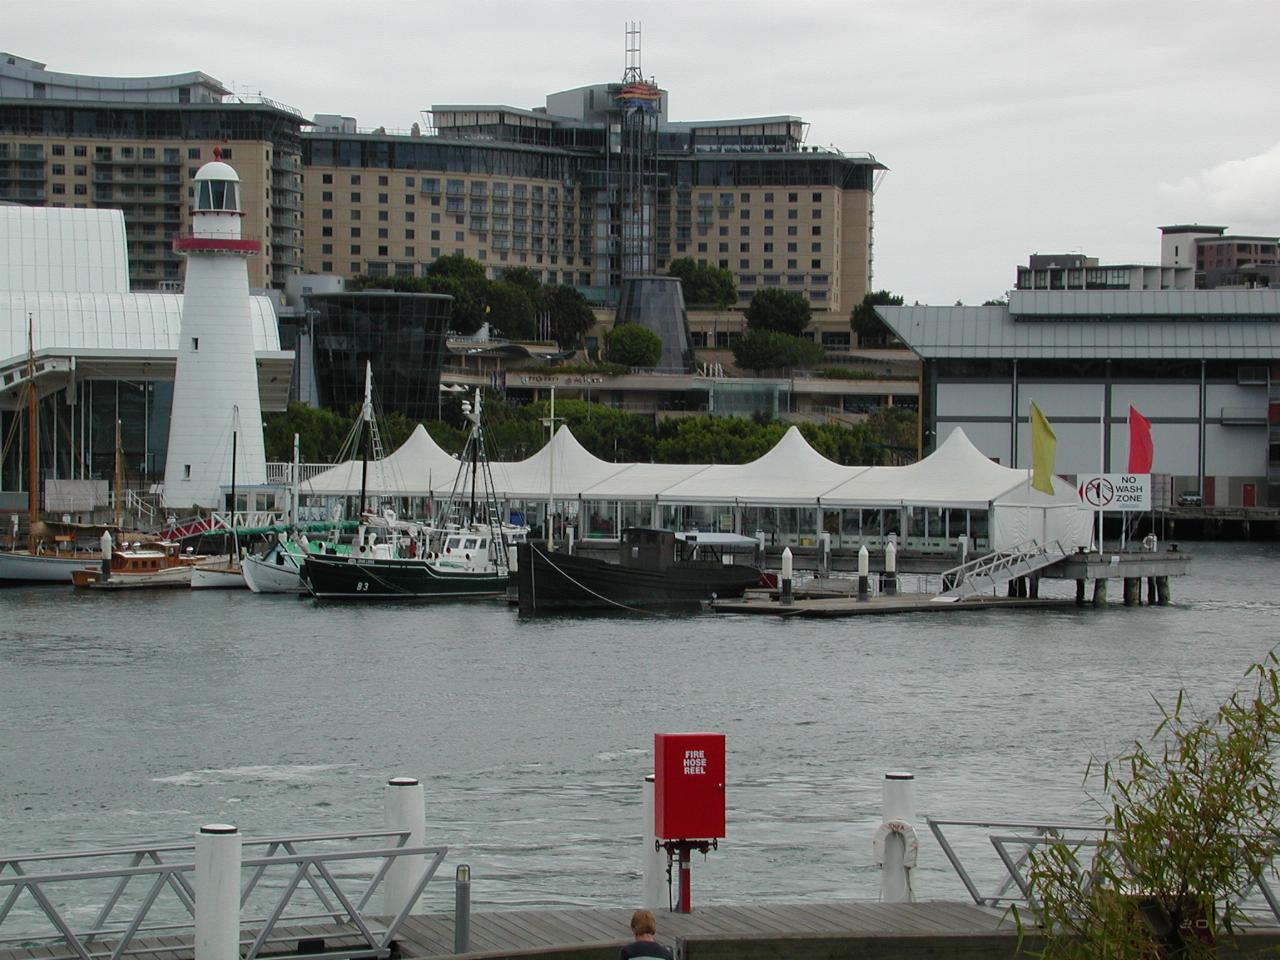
(643, 923)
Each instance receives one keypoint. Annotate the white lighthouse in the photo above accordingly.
(217, 371)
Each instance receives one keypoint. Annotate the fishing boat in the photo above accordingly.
(654, 568)
(141, 565)
(462, 554)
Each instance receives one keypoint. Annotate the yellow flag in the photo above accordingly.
(1044, 446)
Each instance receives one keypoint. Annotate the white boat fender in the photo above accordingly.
(911, 851)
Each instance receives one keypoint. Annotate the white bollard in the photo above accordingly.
(896, 844)
(569, 537)
(217, 890)
(891, 568)
(786, 577)
(653, 861)
(824, 545)
(864, 572)
(404, 809)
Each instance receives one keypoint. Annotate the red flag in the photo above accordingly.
(1141, 450)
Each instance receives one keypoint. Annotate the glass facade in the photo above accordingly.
(401, 334)
(77, 433)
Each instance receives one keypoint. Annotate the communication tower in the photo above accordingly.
(634, 177)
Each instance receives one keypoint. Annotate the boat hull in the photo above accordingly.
(564, 582)
(217, 578)
(265, 575)
(353, 578)
(169, 577)
(37, 568)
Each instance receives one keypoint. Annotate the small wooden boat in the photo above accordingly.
(218, 573)
(152, 565)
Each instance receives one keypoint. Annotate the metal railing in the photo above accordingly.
(988, 573)
(119, 928)
(1015, 841)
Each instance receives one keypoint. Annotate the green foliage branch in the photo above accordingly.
(1190, 825)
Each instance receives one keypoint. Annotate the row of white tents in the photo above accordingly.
(957, 476)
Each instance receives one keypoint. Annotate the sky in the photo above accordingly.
(1009, 127)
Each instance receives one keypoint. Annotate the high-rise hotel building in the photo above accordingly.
(134, 144)
(580, 191)
(559, 190)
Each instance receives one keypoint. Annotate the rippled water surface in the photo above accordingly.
(137, 717)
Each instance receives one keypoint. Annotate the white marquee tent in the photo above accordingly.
(792, 474)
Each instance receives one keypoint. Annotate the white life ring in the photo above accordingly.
(911, 851)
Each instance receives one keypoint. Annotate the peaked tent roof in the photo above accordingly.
(957, 474)
(416, 468)
(576, 470)
(643, 481)
(791, 472)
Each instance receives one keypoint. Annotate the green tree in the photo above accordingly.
(779, 310)
(760, 350)
(871, 330)
(571, 315)
(633, 346)
(463, 279)
(509, 310)
(851, 446)
(524, 278)
(1191, 820)
(716, 440)
(320, 433)
(704, 285)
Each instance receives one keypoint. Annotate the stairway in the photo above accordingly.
(986, 575)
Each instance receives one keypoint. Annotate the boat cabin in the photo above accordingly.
(652, 548)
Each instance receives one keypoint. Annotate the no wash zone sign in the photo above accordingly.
(1115, 491)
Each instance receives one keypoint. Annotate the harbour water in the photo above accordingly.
(136, 717)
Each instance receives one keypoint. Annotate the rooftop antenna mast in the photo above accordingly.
(632, 73)
(634, 163)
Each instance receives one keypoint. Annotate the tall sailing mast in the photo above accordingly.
(33, 447)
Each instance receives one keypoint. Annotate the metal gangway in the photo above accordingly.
(1014, 842)
(987, 574)
(112, 903)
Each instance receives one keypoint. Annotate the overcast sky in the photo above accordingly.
(1008, 126)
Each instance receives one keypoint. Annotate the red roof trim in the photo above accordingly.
(215, 245)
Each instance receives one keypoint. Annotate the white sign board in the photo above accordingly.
(1115, 491)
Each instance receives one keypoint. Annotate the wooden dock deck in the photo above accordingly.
(868, 930)
(878, 605)
(801, 930)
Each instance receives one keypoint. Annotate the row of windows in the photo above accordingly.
(170, 155)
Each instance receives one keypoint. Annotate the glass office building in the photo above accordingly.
(401, 334)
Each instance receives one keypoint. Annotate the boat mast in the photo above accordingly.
(475, 456)
(119, 478)
(33, 448)
(366, 417)
(551, 476)
(235, 434)
(293, 494)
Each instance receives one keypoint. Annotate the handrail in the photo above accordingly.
(1000, 560)
(109, 936)
(1014, 849)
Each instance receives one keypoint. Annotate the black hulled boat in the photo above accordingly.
(654, 568)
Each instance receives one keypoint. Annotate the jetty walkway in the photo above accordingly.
(868, 930)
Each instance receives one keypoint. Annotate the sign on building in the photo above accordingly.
(1115, 491)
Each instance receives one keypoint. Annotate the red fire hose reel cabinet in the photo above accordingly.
(688, 786)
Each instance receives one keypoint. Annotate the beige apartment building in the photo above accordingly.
(134, 144)
(580, 191)
(548, 189)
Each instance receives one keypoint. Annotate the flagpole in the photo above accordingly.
(1102, 456)
(1030, 467)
